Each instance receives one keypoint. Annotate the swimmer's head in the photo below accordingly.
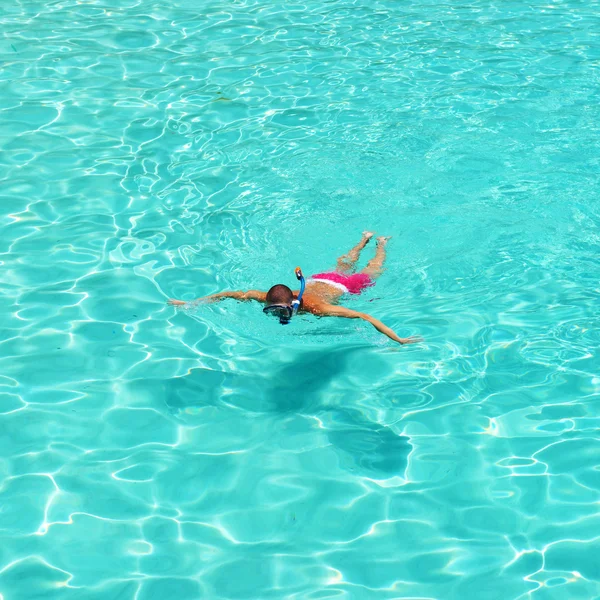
(279, 303)
(280, 294)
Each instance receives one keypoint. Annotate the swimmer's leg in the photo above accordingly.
(374, 267)
(348, 261)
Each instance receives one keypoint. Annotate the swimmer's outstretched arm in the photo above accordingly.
(340, 311)
(249, 295)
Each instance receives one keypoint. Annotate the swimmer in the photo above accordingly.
(323, 291)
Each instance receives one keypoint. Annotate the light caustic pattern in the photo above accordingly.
(154, 150)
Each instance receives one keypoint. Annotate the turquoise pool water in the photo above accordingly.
(154, 150)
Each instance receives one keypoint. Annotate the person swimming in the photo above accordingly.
(320, 294)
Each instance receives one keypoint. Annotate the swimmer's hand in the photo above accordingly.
(191, 303)
(415, 339)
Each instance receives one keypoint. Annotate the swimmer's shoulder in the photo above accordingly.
(314, 304)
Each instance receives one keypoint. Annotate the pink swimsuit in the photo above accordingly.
(349, 284)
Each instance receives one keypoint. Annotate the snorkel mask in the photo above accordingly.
(285, 312)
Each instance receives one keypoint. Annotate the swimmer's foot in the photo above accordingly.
(382, 240)
(367, 235)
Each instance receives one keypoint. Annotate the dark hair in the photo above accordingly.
(280, 294)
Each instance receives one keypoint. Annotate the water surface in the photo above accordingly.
(154, 151)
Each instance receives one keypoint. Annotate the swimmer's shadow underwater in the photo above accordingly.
(300, 387)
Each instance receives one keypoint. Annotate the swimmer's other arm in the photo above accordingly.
(340, 311)
(249, 295)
